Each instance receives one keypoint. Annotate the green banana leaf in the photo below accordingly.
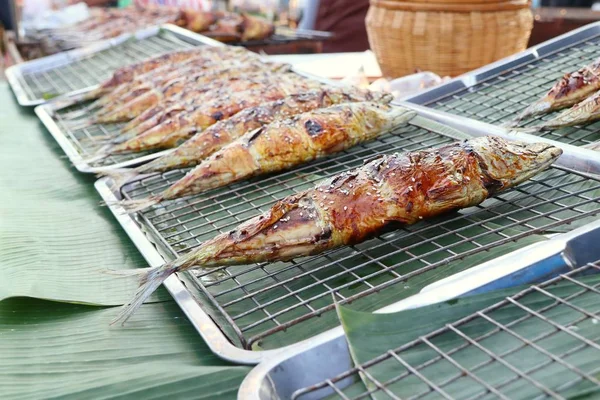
(58, 243)
(67, 351)
(370, 335)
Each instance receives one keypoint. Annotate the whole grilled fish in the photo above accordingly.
(570, 89)
(234, 78)
(355, 205)
(284, 144)
(128, 73)
(205, 143)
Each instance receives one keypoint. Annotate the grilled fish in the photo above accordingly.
(284, 144)
(234, 78)
(353, 206)
(128, 73)
(570, 89)
(205, 143)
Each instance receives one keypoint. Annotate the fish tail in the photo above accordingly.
(149, 282)
(120, 176)
(95, 93)
(133, 206)
(95, 158)
(80, 124)
(118, 115)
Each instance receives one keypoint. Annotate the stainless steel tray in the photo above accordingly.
(498, 92)
(327, 368)
(80, 142)
(34, 82)
(248, 313)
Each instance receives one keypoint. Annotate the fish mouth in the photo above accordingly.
(540, 156)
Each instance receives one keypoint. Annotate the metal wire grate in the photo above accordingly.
(503, 96)
(542, 342)
(93, 69)
(89, 139)
(265, 303)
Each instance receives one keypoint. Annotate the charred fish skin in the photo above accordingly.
(569, 90)
(205, 143)
(353, 206)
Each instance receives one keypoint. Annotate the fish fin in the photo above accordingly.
(132, 206)
(119, 176)
(98, 156)
(149, 282)
(80, 124)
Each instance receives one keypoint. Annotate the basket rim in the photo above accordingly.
(466, 6)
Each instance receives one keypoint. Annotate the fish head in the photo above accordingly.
(507, 163)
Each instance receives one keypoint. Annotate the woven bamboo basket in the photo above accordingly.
(448, 37)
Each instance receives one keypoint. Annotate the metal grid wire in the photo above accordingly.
(267, 301)
(89, 139)
(539, 343)
(93, 69)
(502, 97)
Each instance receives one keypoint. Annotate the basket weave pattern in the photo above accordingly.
(446, 37)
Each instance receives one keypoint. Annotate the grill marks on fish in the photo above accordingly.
(355, 205)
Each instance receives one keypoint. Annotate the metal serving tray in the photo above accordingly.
(324, 368)
(34, 82)
(499, 91)
(248, 313)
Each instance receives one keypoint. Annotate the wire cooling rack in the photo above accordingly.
(266, 306)
(500, 97)
(543, 342)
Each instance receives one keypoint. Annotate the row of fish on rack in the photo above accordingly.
(230, 115)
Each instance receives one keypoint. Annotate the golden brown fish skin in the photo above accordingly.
(239, 77)
(569, 90)
(355, 205)
(205, 143)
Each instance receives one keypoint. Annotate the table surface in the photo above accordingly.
(58, 243)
